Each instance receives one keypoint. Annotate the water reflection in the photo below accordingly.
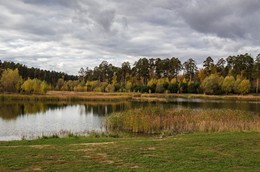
(12, 110)
(19, 119)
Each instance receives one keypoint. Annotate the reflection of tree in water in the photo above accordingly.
(59, 106)
(13, 110)
(10, 111)
(104, 109)
(220, 104)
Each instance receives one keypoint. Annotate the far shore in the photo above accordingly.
(120, 96)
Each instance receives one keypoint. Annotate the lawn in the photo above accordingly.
(228, 151)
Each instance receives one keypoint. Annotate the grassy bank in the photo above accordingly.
(68, 96)
(168, 97)
(191, 152)
(181, 120)
(98, 96)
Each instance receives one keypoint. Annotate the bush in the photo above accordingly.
(173, 88)
(140, 88)
(110, 88)
(117, 87)
(193, 87)
(152, 88)
(184, 87)
(166, 85)
(159, 88)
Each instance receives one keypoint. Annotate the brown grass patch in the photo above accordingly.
(155, 120)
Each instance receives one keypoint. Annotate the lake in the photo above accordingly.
(30, 120)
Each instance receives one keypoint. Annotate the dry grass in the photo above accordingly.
(100, 96)
(155, 120)
(70, 96)
(203, 96)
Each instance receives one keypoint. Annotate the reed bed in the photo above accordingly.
(173, 121)
(255, 97)
(61, 96)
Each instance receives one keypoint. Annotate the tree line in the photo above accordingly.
(51, 77)
(18, 78)
(233, 75)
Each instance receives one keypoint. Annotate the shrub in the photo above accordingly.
(193, 87)
(184, 87)
(159, 88)
(173, 88)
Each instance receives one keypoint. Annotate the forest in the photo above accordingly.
(238, 74)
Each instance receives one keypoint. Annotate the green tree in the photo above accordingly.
(141, 70)
(256, 72)
(228, 84)
(241, 65)
(35, 86)
(114, 79)
(212, 84)
(110, 88)
(175, 68)
(236, 84)
(11, 80)
(60, 84)
(44, 87)
(190, 68)
(244, 86)
(27, 86)
(221, 67)
(126, 70)
(207, 64)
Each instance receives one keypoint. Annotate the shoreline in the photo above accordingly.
(100, 96)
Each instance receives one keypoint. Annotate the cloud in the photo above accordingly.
(65, 35)
(227, 19)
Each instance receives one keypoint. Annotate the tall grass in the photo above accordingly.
(155, 120)
(61, 96)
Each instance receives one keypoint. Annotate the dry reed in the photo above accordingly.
(155, 120)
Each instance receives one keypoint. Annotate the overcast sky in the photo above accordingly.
(64, 35)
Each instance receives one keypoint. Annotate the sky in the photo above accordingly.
(65, 35)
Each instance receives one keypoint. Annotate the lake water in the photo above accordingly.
(30, 120)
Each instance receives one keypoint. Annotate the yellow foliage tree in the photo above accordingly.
(11, 80)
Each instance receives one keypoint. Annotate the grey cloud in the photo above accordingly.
(65, 35)
(228, 19)
(50, 3)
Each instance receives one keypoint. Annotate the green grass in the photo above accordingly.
(234, 151)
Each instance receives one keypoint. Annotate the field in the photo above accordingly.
(233, 151)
